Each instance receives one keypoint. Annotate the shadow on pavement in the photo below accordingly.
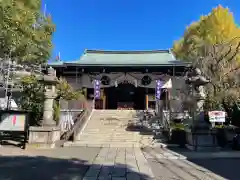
(46, 168)
(228, 168)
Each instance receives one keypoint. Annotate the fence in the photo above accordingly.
(69, 111)
(68, 118)
(73, 115)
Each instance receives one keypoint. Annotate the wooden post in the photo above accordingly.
(101, 93)
(103, 98)
(104, 101)
(85, 92)
(146, 101)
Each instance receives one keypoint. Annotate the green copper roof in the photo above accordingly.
(123, 58)
(55, 63)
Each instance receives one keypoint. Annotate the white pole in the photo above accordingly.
(45, 10)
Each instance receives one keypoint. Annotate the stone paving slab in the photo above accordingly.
(104, 144)
(120, 163)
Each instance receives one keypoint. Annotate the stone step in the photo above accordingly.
(113, 139)
(107, 141)
(110, 137)
(108, 128)
(102, 144)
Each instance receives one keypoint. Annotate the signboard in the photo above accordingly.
(12, 122)
(217, 116)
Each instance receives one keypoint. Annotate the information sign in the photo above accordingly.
(12, 122)
(217, 116)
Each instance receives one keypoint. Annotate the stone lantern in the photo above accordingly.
(50, 81)
(199, 134)
(48, 134)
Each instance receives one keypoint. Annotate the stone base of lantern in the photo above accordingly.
(201, 140)
(43, 137)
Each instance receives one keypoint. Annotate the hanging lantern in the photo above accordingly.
(158, 89)
(97, 93)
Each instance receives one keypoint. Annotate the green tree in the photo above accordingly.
(213, 45)
(32, 98)
(26, 34)
(66, 91)
(218, 27)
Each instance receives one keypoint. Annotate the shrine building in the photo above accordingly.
(125, 79)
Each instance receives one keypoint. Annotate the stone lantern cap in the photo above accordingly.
(49, 78)
(196, 78)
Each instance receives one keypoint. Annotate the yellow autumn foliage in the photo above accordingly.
(217, 27)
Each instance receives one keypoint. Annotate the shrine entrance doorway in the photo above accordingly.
(125, 96)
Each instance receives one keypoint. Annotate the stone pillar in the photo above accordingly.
(50, 95)
(48, 109)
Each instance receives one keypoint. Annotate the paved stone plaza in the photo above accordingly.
(77, 163)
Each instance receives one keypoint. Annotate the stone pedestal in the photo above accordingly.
(201, 140)
(43, 137)
(200, 136)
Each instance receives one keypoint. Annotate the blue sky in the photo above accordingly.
(124, 24)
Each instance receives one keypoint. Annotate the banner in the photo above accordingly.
(158, 89)
(97, 94)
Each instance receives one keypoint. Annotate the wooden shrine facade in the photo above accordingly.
(128, 78)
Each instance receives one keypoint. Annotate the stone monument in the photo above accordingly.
(199, 134)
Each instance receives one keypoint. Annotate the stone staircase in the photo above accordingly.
(107, 128)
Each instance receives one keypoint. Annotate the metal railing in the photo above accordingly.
(72, 118)
(68, 118)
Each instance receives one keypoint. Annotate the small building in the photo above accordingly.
(128, 78)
